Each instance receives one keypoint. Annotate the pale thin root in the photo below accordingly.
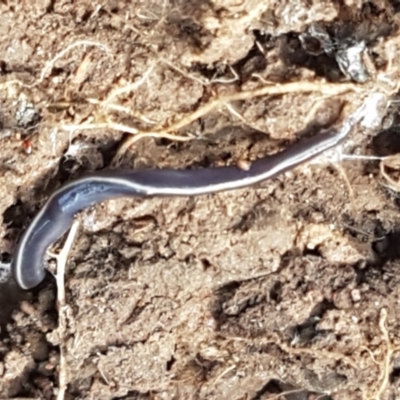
(126, 129)
(61, 259)
(260, 78)
(122, 128)
(385, 373)
(96, 11)
(103, 375)
(175, 68)
(152, 17)
(231, 109)
(360, 157)
(51, 254)
(298, 351)
(130, 87)
(50, 63)
(223, 373)
(269, 89)
(84, 126)
(362, 232)
(261, 49)
(119, 108)
(278, 396)
(235, 113)
(61, 54)
(345, 178)
(227, 80)
(161, 135)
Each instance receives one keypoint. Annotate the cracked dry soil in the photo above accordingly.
(287, 290)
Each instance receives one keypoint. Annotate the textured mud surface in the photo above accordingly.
(288, 290)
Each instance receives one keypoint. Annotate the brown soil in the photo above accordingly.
(287, 290)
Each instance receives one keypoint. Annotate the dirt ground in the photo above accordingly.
(287, 290)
